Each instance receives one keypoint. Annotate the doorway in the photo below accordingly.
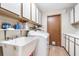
(54, 29)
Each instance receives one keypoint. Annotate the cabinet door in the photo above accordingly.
(77, 50)
(40, 17)
(13, 7)
(33, 12)
(77, 47)
(77, 13)
(67, 45)
(63, 41)
(37, 15)
(26, 10)
(71, 49)
(72, 16)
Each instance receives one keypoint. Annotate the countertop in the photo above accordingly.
(19, 41)
(73, 35)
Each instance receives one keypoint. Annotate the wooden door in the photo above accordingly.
(54, 29)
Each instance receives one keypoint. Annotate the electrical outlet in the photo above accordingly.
(53, 42)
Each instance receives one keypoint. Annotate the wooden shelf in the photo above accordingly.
(11, 15)
(8, 13)
(34, 23)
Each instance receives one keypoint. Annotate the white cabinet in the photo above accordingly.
(26, 10)
(77, 13)
(77, 50)
(40, 17)
(37, 15)
(33, 12)
(72, 16)
(63, 41)
(77, 47)
(72, 45)
(71, 49)
(67, 45)
(13, 7)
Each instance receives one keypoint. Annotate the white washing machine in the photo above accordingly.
(42, 46)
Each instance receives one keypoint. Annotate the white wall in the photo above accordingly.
(10, 33)
(44, 21)
(66, 27)
(65, 22)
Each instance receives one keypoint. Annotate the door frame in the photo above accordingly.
(60, 25)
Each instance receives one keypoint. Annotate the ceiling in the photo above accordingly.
(48, 7)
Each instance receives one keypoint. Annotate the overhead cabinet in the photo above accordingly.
(26, 10)
(77, 13)
(37, 15)
(40, 17)
(72, 15)
(33, 12)
(13, 7)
